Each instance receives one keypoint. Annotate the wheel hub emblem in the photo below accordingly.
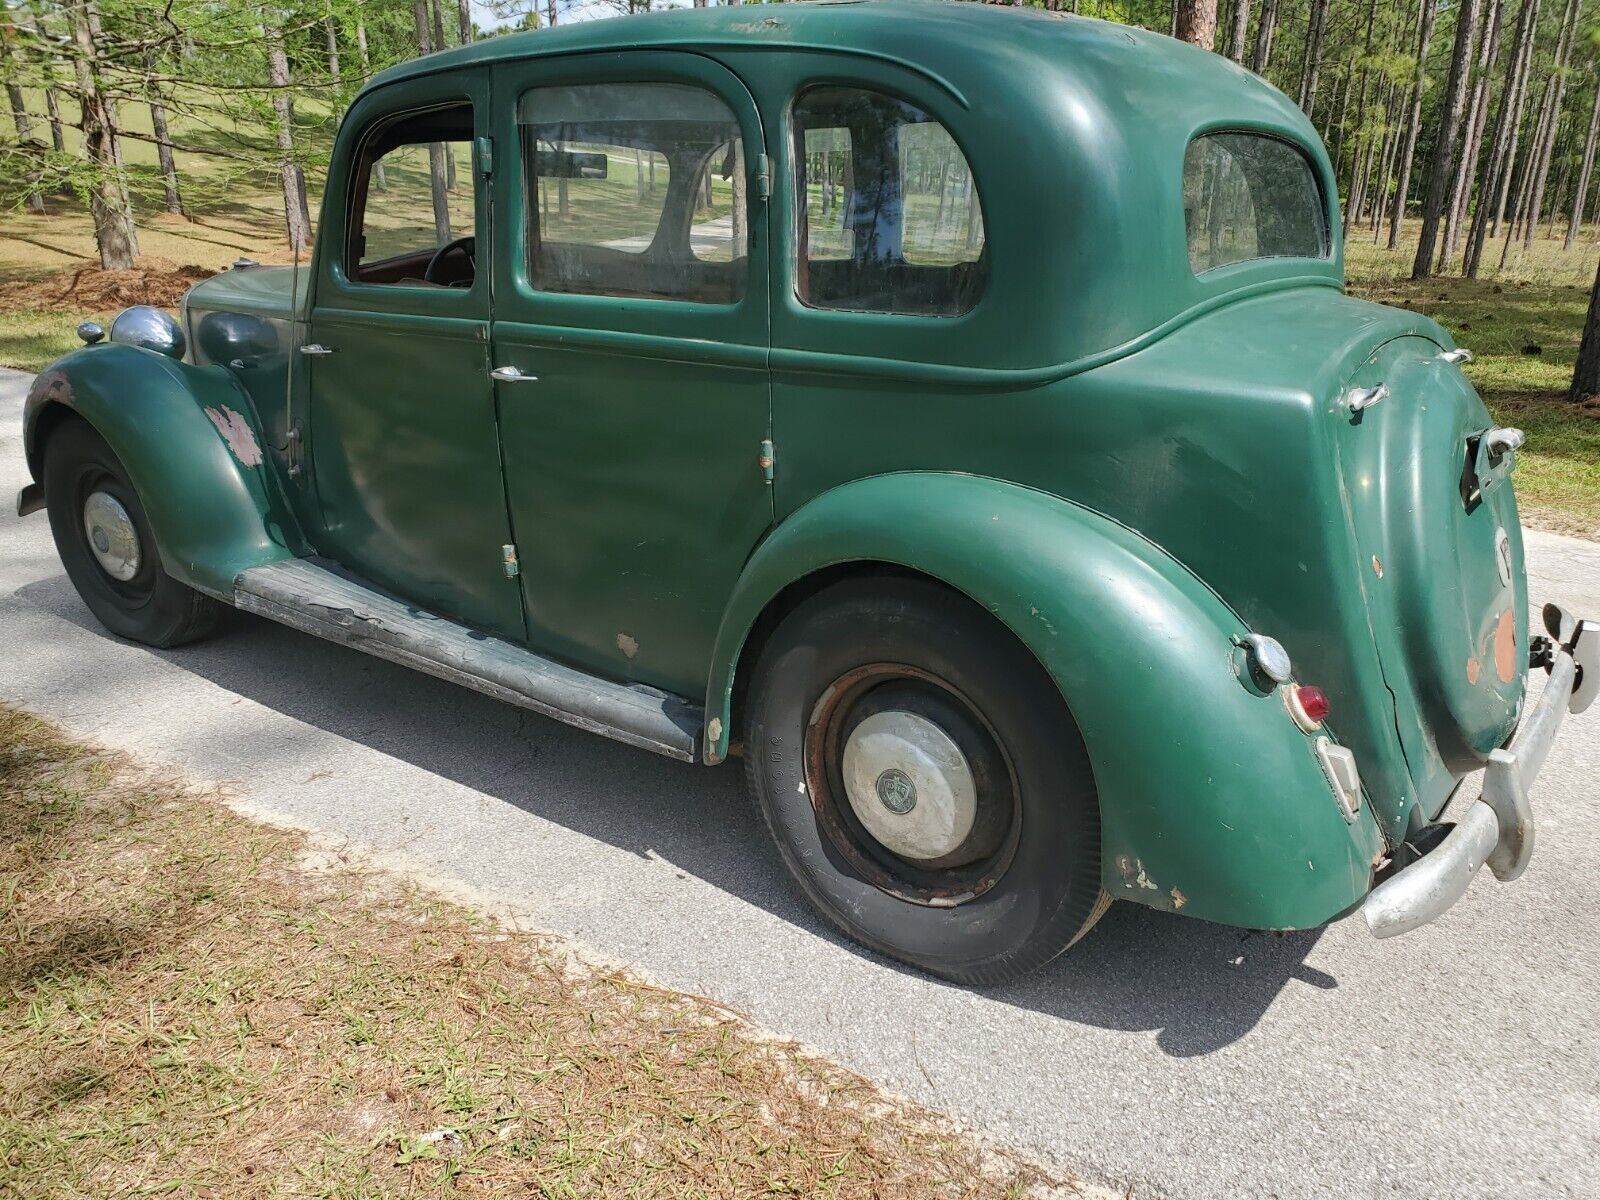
(101, 542)
(896, 791)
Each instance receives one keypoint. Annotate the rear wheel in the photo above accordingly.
(105, 544)
(924, 781)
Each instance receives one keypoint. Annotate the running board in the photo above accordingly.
(316, 600)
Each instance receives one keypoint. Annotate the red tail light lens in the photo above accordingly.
(1313, 702)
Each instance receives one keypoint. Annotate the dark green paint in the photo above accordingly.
(212, 515)
(1130, 465)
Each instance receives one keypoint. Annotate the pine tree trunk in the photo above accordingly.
(158, 127)
(19, 113)
(1582, 194)
(1586, 375)
(1313, 62)
(464, 21)
(1477, 114)
(1503, 152)
(52, 106)
(438, 175)
(1558, 90)
(1391, 146)
(1241, 30)
(1262, 55)
(379, 179)
(1408, 145)
(1196, 22)
(1444, 151)
(295, 216)
(550, 10)
(108, 198)
(1359, 156)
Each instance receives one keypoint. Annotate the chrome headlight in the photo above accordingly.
(150, 329)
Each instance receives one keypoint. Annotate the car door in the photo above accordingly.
(630, 336)
(403, 442)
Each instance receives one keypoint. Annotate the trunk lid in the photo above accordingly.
(1435, 522)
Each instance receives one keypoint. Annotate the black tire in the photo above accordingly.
(150, 606)
(1014, 894)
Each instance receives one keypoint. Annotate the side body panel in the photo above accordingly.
(1212, 800)
(191, 441)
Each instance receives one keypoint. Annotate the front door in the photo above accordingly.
(630, 340)
(403, 443)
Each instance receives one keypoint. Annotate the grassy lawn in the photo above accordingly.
(195, 1004)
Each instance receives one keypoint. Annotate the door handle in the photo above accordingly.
(512, 375)
(1458, 356)
(316, 348)
(1361, 399)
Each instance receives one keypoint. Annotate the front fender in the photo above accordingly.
(191, 443)
(1212, 801)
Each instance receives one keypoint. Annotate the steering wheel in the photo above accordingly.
(466, 245)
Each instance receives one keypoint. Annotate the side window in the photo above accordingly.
(1248, 196)
(888, 218)
(634, 189)
(415, 203)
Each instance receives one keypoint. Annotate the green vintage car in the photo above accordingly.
(954, 412)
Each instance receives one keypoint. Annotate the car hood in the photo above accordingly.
(257, 291)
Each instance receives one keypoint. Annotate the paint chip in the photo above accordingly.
(628, 645)
(236, 431)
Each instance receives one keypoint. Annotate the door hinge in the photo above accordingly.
(485, 155)
(763, 177)
(765, 460)
(508, 561)
(291, 451)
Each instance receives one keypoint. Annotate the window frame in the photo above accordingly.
(1326, 219)
(799, 200)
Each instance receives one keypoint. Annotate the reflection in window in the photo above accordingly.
(888, 211)
(635, 189)
(1247, 196)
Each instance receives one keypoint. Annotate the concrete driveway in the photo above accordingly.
(1164, 1055)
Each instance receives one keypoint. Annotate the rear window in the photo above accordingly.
(1249, 196)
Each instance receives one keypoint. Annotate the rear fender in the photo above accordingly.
(191, 442)
(1212, 801)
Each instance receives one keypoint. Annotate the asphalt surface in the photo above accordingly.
(1165, 1055)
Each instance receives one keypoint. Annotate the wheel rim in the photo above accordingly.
(911, 785)
(113, 540)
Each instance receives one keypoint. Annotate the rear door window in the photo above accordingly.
(635, 189)
(887, 210)
(1248, 196)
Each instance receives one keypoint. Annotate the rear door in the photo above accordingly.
(630, 332)
(403, 442)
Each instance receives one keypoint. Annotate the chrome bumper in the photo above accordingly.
(1498, 828)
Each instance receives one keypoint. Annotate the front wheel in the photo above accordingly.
(105, 544)
(924, 780)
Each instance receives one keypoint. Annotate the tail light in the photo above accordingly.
(1307, 705)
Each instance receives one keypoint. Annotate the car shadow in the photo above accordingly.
(1198, 986)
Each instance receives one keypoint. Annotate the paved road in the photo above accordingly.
(1178, 1058)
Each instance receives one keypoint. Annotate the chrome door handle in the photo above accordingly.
(316, 348)
(1362, 399)
(512, 375)
(1460, 355)
(1502, 440)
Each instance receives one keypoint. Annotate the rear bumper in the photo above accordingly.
(1498, 829)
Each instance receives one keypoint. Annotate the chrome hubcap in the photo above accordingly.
(112, 537)
(909, 785)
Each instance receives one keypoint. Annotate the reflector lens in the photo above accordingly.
(1313, 702)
